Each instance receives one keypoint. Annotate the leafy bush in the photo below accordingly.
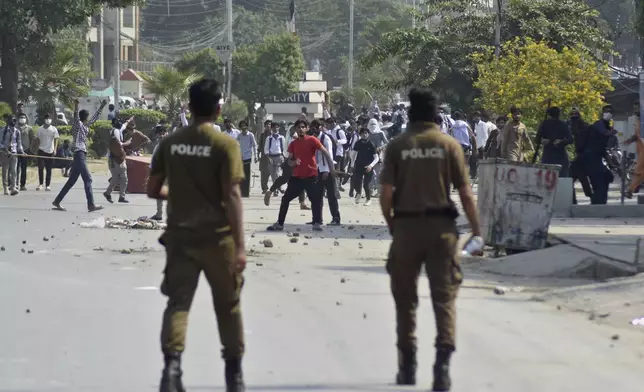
(2, 124)
(64, 130)
(5, 109)
(100, 137)
(236, 111)
(145, 119)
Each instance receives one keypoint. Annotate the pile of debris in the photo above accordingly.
(142, 223)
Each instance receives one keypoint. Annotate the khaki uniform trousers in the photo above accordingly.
(184, 265)
(429, 242)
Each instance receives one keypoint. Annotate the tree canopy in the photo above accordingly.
(26, 29)
(272, 68)
(436, 51)
(532, 74)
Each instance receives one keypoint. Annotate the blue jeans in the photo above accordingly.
(79, 168)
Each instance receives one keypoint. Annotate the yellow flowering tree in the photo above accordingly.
(529, 74)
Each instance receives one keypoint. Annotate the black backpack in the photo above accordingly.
(334, 143)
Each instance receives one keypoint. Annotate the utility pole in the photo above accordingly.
(413, 19)
(498, 5)
(350, 76)
(168, 7)
(229, 7)
(117, 60)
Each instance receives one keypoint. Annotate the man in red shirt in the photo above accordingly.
(301, 156)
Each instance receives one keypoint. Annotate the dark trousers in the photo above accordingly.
(245, 185)
(294, 189)
(287, 171)
(362, 179)
(600, 178)
(328, 184)
(44, 165)
(22, 169)
(430, 244)
(264, 173)
(184, 265)
(79, 169)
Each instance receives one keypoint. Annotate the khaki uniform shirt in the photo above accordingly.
(423, 164)
(514, 142)
(197, 161)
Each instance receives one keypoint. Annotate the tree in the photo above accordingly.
(530, 74)
(437, 55)
(204, 62)
(171, 85)
(26, 28)
(272, 68)
(61, 77)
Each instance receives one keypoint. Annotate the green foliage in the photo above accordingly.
(64, 129)
(531, 74)
(100, 137)
(437, 56)
(236, 111)
(5, 109)
(271, 68)
(145, 119)
(171, 85)
(204, 62)
(27, 27)
(61, 78)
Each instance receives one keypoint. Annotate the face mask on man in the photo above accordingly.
(22, 121)
(607, 116)
(48, 122)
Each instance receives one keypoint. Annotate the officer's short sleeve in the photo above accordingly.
(457, 166)
(388, 174)
(232, 166)
(157, 165)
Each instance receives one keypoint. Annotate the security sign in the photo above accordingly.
(224, 50)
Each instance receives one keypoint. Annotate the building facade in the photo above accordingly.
(102, 39)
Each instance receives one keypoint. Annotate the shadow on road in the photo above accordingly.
(357, 231)
(314, 387)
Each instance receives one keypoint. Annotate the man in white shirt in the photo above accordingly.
(229, 129)
(340, 138)
(47, 140)
(248, 147)
(274, 148)
(325, 180)
(481, 134)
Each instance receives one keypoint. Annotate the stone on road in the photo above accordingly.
(75, 319)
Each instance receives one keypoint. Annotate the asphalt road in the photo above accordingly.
(79, 315)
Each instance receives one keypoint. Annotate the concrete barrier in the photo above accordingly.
(563, 198)
(608, 211)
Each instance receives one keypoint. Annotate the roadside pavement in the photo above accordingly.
(83, 311)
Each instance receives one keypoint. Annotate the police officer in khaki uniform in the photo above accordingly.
(420, 167)
(203, 169)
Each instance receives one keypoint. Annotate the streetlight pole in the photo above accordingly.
(229, 8)
(350, 76)
(117, 60)
(497, 27)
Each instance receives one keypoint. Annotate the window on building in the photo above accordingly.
(96, 20)
(128, 16)
(130, 53)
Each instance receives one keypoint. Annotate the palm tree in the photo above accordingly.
(64, 79)
(170, 84)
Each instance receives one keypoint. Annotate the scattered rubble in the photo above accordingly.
(99, 249)
(615, 337)
(336, 243)
(31, 252)
(296, 290)
(294, 240)
(27, 311)
(45, 239)
(24, 242)
(142, 223)
(2, 248)
(267, 243)
(638, 322)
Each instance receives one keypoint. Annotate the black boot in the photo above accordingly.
(234, 376)
(171, 378)
(442, 381)
(406, 368)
